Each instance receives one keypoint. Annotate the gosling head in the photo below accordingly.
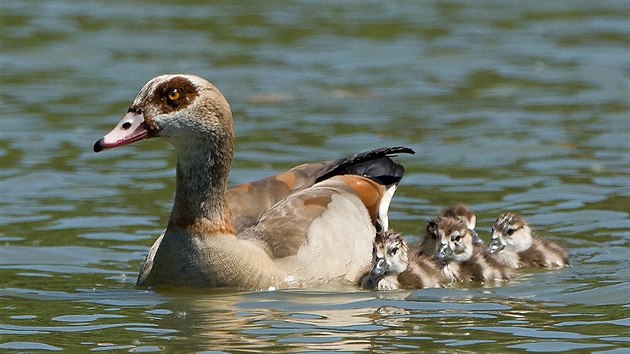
(462, 211)
(510, 232)
(389, 255)
(454, 242)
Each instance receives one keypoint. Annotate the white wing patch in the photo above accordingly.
(339, 243)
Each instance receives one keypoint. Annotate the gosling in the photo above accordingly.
(458, 211)
(394, 268)
(514, 245)
(457, 256)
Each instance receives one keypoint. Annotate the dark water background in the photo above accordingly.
(510, 105)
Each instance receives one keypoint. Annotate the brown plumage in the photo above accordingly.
(421, 273)
(312, 225)
(393, 267)
(458, 258)
(514, 245)
(249, 201)
(458, 211)
(463, 212)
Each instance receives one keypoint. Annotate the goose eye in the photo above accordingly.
(394, 250)
(174, 94)
(510, 232)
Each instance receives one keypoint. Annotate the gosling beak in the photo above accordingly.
(379, 268)
(443, 253)
(477, 241)
(130, 129)
(495, 246)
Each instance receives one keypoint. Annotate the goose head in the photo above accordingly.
(454, 242)
(180, 108)
(462, 211)
(389, 254)
(510, 232)
(191, 114)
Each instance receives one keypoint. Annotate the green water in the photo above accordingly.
(519, 106)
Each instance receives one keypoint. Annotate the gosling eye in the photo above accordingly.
(394, 250)
(510, 232)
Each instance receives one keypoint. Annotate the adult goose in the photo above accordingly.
(312, 225)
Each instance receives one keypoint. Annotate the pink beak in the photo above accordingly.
(130, 129)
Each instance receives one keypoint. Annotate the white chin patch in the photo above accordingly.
(129, 129)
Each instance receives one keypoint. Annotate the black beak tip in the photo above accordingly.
(98, 146)
(377, 272)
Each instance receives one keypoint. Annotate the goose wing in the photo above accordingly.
(249, 201)
(325, 231)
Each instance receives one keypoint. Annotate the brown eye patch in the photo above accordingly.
(175, 93)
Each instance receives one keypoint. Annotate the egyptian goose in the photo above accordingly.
(394, 268)
(513, 245)
(314, 224)
(458, 211)
(458, 258)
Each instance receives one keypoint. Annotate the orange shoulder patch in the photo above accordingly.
(370, 192)
(242, 188)
(288, 178)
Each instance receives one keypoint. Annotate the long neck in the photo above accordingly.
(200, 207)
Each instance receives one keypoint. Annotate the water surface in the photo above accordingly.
(510, 106)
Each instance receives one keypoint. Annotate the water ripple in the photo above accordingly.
(510, 106)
